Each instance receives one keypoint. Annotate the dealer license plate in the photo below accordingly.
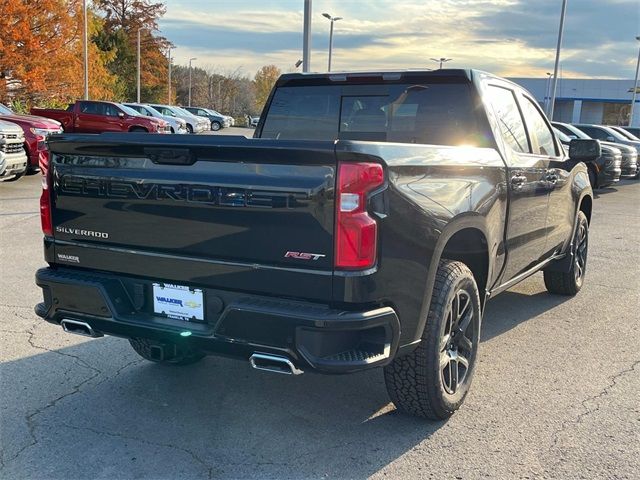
(179, 302)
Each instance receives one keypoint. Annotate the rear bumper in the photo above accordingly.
(312, 336)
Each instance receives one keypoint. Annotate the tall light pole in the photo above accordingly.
(441, 60)
(546, 93)
(169, 89)
(306, 37)
(332, 20)
(190, 60)
(555, 68)
(138, 75)
(635, 87)
(86, 51)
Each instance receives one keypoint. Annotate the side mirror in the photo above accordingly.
(584, 150)
(121, 114)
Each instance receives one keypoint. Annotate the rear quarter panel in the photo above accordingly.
(431, 193)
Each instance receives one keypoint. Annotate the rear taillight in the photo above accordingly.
(45, 196)
(356, 232)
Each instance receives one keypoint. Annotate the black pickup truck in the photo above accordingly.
(365, 225)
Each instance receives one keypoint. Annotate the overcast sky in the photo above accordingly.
(506, 37)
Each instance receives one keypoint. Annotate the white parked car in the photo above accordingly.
(194, 125)
(206, 123)
(13, 158)
(177, 125)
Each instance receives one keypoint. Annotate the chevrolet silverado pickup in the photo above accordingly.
(365, 225)
(89, 116)
(13, 159)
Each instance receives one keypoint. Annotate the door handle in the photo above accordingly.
(518, 181)
(551, 177)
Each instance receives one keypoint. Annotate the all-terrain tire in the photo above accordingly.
(183, 355)
(570, 282)
(417, 382)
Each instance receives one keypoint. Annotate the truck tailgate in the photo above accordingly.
(220, 212)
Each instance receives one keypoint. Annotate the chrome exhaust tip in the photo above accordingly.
(79, 328)
(274, 364)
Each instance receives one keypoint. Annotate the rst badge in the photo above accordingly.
(304, 255)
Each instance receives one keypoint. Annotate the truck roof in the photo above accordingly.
(391, 76)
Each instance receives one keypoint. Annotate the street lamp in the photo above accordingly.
(138, 69)
(190, 60)
(86, 52)
(332, 20)
(635, 87)
(441, 60)
(546, 93)
(555, 68)
(169, 58)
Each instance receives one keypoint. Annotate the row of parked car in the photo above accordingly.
(90, 116)
(23, 137)
(620, 149)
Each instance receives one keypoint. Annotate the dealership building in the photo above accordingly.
(586, 100)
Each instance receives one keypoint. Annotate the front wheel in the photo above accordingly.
(433, 380)
(215, 126)
(570, 282)
(189, 128)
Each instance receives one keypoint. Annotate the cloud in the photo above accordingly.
(508, 37)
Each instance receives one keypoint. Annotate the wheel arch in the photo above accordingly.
(586, 206)
(453, 244)
(133, 128)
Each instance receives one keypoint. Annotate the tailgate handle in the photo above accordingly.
(170, 156)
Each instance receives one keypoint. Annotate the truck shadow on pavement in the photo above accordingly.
(95, 410)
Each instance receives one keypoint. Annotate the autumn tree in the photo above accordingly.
(41, 53)
(122, 21)
(263, 82)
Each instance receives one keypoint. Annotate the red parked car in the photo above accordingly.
(88, 116)
(36, 129)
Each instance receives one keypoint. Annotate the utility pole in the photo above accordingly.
(332, 20)
(86, 51)
(555, 68)
(190, 60)
(138, 82)
(306, 37)
(169, 89)
(635, 88)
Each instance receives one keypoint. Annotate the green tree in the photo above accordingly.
(263, 82)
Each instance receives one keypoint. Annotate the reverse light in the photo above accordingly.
(45, 196)
(356, 232)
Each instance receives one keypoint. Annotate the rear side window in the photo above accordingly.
(440, 114)
(509, 118)
(541, 136)
(303, 113)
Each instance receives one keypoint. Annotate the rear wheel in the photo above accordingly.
(434, 379)
(165, 353)
(570, 282)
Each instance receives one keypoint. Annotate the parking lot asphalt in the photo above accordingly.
(556, 393)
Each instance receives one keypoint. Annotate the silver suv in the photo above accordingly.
(13, 158)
